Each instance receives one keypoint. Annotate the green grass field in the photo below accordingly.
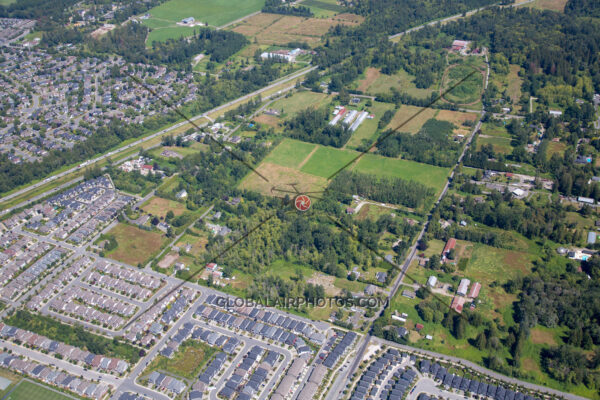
(186, 362)
(290, 153)
(501, 145)
(324, 8)
(327, 160)
(213, 12)
(168, 32)
(28, 391)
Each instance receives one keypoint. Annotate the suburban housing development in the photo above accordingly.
(309, 200)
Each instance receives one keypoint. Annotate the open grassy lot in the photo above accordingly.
(501, 145)
(212, 12)
(367, 130)
(186, 362)
(410, 118)
(272, 29)
(198, 243)
(290, 106)
(27, 390)
(159, 207)
(135, 245)
(460, 120)
(374, 82)
(492, 129)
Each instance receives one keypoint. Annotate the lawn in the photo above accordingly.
(187, 361)
(213, 12)
(27, 390)
(135, 245)
(159, 207)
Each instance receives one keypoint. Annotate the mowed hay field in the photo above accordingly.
(135, 245)
(312, 164)
(213, 12)
(273, 29)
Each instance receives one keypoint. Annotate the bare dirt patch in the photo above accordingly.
(168, 260)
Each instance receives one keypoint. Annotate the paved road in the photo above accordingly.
(146, 138)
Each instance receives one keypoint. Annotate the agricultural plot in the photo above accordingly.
(463, 121)
(313, 164)
(324, 8)
(135, 245)
(554, 5)
(375, 82)
(211, 12)
(274, 29)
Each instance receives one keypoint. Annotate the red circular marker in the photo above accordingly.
(302, 202)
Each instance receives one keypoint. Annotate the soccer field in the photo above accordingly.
(28, 391)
